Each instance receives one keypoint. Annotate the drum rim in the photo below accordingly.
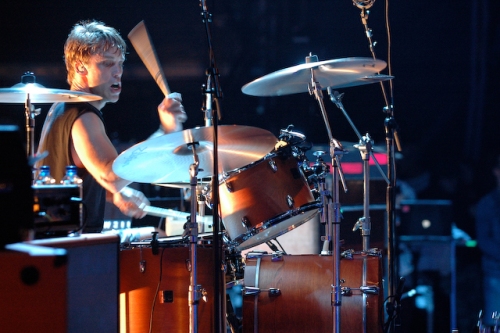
(226, 175)
(274, 221)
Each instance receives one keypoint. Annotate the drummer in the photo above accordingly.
(74, 133)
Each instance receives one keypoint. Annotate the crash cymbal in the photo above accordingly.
(167, 158)
(38, 94)
(337, 73)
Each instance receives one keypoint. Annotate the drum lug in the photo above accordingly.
(142, 263)
(277, 256)
(245, 222)
(272, 292)
(289, 201)
(346, 291)
(370, 290)
(201, 293)
(348, 254)
(273, 165)
(229, 187)
(142, 266)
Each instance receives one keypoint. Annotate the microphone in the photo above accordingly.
(363, 4)
(208, 103)
(203, 5)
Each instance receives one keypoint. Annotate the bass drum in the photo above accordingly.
(264, 200)
(303, 302)
(154, 289)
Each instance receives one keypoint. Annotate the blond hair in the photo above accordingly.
(88, 38)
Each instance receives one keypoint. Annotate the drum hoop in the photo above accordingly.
(275, 221)
(204, 240)
(231, 173)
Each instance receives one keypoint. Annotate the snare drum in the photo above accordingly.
(264, 200)
(293, 293)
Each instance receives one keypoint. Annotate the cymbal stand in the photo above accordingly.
(195, 291)
(30, 112)
(336, 152)
(365, 149)
(213, 93)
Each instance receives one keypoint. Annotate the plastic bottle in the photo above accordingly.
(44, 177)
(71, 178)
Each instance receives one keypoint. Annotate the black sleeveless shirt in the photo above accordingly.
(56, 140)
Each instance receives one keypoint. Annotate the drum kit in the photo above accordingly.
(260, 187)
(266, 188)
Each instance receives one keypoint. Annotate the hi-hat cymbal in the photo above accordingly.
(167, 158)
(337, 73)
(38, 94)
(376, 148)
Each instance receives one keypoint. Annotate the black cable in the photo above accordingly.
(156, 292)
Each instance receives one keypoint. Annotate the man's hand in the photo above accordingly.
(131, 202)
(172, 113)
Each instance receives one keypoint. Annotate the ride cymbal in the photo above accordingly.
(337, 73)
(167, 158)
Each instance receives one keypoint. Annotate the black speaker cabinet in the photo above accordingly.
(16, 195)
(92, 281)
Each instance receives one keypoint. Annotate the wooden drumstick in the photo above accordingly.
(141, 41)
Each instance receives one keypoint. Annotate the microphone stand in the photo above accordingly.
(391, 135)
(214, 90)
(336, 152)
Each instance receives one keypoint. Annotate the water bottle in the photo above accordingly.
(71, 178)
(44, 177)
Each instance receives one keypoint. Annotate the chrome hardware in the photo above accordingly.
(273, 165)
(245, 222)
(277, 256)
(272, 292)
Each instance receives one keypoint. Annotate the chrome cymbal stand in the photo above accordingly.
(30, 112)
(365, 148)
(195, 290)
(336, 152)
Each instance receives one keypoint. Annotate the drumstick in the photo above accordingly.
(141, 41)
(165, 212)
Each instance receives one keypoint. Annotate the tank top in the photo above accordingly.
(56, 140)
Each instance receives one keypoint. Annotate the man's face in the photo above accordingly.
(104, 73)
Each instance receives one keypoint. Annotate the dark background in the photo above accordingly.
(444, 56)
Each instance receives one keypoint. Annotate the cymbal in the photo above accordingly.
(337, 73)
(376, 148)
(167, 158)
(38, 94)
(351, 151)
